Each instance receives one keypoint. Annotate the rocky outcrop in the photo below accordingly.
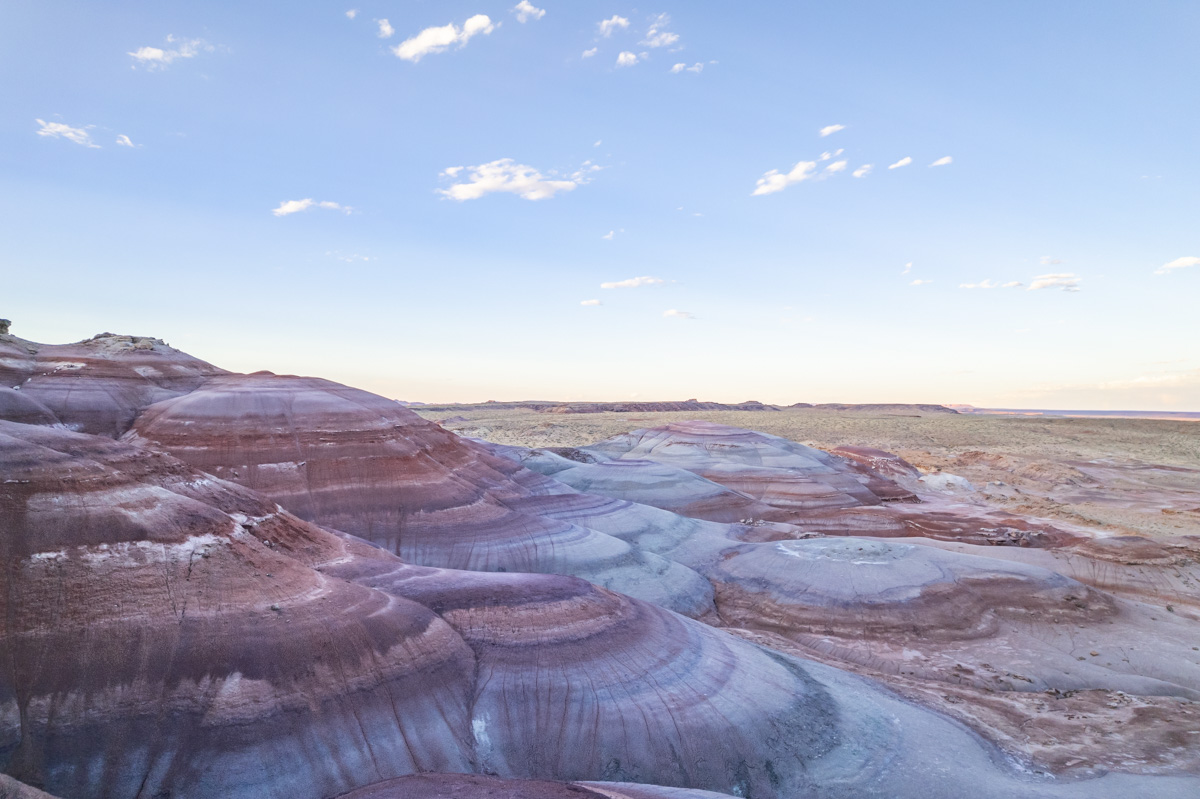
(99, 385)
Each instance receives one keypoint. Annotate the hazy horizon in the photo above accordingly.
(462, 201)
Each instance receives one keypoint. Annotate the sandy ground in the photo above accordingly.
(1117, 476)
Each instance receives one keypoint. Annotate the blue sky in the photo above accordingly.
(423, 213)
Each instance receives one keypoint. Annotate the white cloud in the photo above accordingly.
(526, 11)
(352, 13)
(609, 25)
(827, 155)
(124, 141)
(919, 282)
(1013, 284)
(609, 235)
(775, 180)
(863, 170)
(1046, 260)
(1178, 263)
(674, 314)
(385, 28)
(907, 268)
(983, 284)
(836, 166)
(591, 302)
(598, 142)
(656, 36)
(633, 283)
(943, 161)
(505, 175)
(159, 58)
(439, 39)
(1066, 281)
(296, 206)
(626, 59)
(905, 161)
(697, 68)
(590, 53)
(831, 129)
(59, 130)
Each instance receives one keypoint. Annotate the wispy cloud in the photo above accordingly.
(161, 58)
(60, 130)
(439, 39)
(1066, 281)
(920, 282)
(1178, 263)
(610, 235)
(905, 161)
(697, 68)
(674, 314)
(352, 13)
(863, 170)
(633, 283)
(385, 28)
(296, 206)
(656, 36)
(607, 26)
(1047, 260)
(526, 11)
(590, 53)
(775, 180)
(836, 166)
(507, 176)
(125, 141)
(829, 130)
(943, 161)
(626, 59)
(591, 302)
(907, 268)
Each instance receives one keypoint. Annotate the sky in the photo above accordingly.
(986, 203)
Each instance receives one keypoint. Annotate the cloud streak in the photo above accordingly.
(943, 161)
(607, 26)
(1067, 281)
(288, 207)
(507, 176)
(829, 130)
(633, 283)
(905, 161)
(775, 180)
(435, 40)
(674, 314)
(526, 11)
(60, 130)
(160, 58)
(1178, 263)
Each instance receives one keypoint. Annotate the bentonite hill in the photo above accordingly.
(256, 585)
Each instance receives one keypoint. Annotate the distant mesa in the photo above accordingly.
(688, 405)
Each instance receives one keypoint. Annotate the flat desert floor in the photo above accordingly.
(1114, 476)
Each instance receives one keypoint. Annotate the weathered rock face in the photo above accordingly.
(99, 385)
(364, 465)
(159, 635)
